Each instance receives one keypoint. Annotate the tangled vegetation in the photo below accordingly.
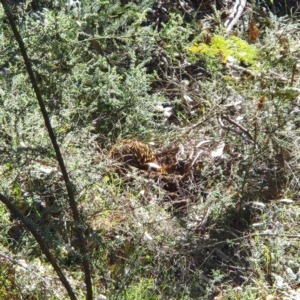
(180, 138)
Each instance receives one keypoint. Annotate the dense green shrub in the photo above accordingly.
(109, 70)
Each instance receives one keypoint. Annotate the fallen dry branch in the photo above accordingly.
(236, 13)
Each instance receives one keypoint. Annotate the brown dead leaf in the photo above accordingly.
(253, 31)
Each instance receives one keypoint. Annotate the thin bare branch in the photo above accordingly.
(243, 129)
(45, 249)
(69, 185)
(237, 11)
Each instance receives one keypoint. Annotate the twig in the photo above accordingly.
(205, 219)
(68, 183)
(15, 261)
(293, 74)
(191, 164)
(237, 11)
(290, 236)
(251, 235)
(228, 128)
(43, 246)
(243, 129)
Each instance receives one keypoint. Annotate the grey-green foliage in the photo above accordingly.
(107, 92)
(111, 17)
(176, 35)
(84, 91)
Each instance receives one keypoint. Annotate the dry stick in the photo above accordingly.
(251, 235)
(228, 128)
(237, 11)
(15, 261)
(293, 74)
(69, 186)
(205, 219)
(32, 228)
(238, 125)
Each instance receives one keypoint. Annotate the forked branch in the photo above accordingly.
(68, 183)
(45, 249)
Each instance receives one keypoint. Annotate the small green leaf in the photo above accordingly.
(16, 190)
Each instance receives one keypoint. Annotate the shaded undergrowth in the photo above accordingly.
(185, 163)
